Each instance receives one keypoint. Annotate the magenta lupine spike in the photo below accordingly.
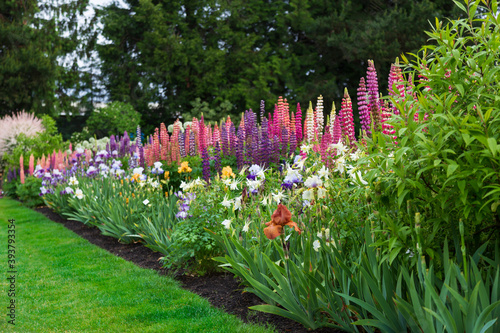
(364, 112)
(326, 141)
(293, 135)
(298, 124)
(396, 80)
(320, 118)
(337, 130)
(373, 94)
(346, 116)
(387, 128)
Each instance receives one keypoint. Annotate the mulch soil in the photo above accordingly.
(222, 290)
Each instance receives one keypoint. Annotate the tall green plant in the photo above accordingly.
(446, 160)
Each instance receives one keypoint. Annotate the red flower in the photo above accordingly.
(280, 218)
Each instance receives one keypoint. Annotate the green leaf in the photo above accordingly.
(451, 169)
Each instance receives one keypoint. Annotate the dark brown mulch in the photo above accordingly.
(221, 290)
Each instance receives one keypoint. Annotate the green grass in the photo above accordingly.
(66, 284)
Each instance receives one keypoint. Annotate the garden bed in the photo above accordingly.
(221, 290)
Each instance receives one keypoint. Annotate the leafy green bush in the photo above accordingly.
(446, 161)
(29, 192)
(114, 119)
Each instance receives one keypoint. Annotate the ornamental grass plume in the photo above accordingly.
(12, 126)
(280, 218)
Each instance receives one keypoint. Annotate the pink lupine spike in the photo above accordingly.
(43, 162)
(216, 134)
(21, 165)
(373, 94)
(286, 113)
(347, 124)
(31, 167)
(298, 124)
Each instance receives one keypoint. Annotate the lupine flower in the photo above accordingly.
(280, 218)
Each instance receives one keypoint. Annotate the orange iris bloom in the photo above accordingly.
(280, 218)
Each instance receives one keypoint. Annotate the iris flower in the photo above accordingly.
(280, 218)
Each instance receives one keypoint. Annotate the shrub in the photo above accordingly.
(29, 192)
(445, 164)
(114, 119)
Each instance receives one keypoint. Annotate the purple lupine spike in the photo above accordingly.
(262, 110)
(264, 144)
(217, 158)
(182, 148)
(206, 164)
(108, 147)
(232, 138)
(364, 112)
(255, 145)
(240, 153)
(141, 156)
(223, 134)
(192, 144)
(138, 139)
(112, 143)
(284, 148)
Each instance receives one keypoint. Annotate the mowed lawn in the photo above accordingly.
(65, 284)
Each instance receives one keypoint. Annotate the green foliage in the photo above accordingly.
(196, 55)
(29, 192)
(31, 37)
(114, 119)
(209, 114)
(192, 248)
(445, 164)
